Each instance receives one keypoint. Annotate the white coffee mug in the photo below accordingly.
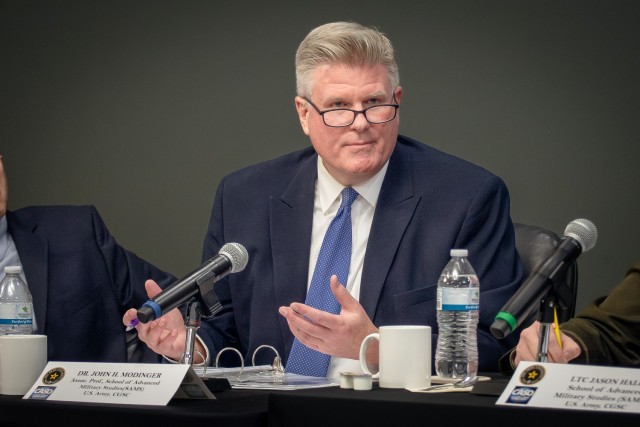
(405, 356)
(22, 359)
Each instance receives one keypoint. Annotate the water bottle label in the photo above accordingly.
(13, 312)
(457, 299)
(17, 322)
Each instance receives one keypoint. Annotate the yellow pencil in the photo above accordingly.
(557, 327)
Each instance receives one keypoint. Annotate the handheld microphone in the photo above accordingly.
(231, 258)
(580, 235)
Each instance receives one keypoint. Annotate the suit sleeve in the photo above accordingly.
(489, 235)
(127, 270)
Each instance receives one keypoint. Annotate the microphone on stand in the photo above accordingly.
(231, 258)
(580, 235)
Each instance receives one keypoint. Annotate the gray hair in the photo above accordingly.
(344, 43)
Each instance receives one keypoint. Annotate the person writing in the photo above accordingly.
(406, 204)
(606, 332)
(81, 280)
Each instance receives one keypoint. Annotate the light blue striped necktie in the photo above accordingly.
(334, 258)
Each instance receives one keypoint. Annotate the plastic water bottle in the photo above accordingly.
(16, 304)
(457, 311)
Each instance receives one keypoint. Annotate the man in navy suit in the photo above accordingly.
(80, 279)
(414, 204)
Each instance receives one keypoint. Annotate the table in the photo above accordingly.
(398, 407)
(235, 408)
(326, 407)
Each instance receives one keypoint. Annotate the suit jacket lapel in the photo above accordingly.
(394, 210)
(33, 250)
(291, 214)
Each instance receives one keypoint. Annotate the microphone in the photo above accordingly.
(580, 235)
(231, 258)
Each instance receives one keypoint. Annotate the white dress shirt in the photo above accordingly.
(327, 202)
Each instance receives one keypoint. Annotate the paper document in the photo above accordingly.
(264, 377)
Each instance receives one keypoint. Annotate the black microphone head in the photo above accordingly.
(500, 327)
(584, 231)
(237, 254)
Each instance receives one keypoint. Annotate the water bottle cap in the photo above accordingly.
(12, 269)
(459, 252)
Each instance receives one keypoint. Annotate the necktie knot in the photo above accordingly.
(348, 196)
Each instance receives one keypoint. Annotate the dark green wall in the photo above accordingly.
(140, 107)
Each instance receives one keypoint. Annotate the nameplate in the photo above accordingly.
(582, 387)
(121, 383)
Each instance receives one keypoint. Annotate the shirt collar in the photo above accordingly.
(329, 189)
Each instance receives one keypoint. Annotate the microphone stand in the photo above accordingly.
(546, 316)
(206, 296)
(192, 322)
(557, 302)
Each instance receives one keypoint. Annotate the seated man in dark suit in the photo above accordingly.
(80, 279)
(412, 204)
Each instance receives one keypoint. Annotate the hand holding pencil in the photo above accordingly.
(560, 350)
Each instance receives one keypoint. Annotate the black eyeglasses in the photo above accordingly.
(341, 117)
